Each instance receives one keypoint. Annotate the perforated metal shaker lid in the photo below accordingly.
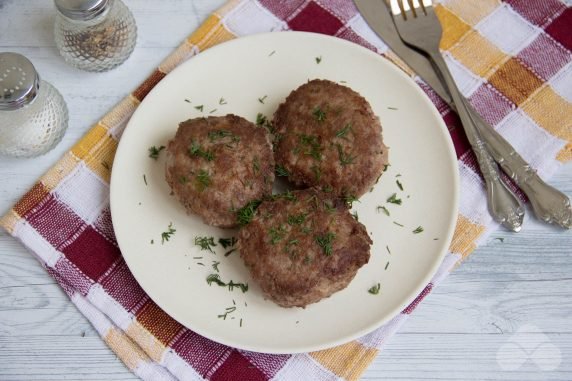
(19, 81)
(81, 9)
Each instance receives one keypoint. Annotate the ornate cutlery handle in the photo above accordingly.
(549, 204)
(503, 204)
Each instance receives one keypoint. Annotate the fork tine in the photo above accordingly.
(422, 3)
(402, 9)
(412, 7)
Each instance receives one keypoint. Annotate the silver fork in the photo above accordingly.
(420, 28)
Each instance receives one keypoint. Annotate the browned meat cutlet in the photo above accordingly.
(328, 136)
(303, 246)
(217, 165)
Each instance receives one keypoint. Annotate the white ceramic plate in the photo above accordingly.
(269, 66)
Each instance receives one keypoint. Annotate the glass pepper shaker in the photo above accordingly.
(33, 114)
(94, 35)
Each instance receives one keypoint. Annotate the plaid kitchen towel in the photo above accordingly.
(511, 59)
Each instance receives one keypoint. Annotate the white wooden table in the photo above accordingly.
(466, 329)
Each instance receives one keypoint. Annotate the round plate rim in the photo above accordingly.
(452, 214)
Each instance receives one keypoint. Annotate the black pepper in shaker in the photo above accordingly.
(94, 35)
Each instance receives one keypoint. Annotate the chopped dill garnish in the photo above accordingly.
(188, 101)
(280, 171)
(328, 207)
(288, 195)
(152, 242)
(245, 214)
(385, 166)
(221, 134)
(256, 165)
(213, 110)
(435, 239)
(227, 242)
(394, 200)
(205, 243)
(228, 311)
(221, 101)
(293, 242)
(399, 185)
(243, 286)
(317, 172)
(355, 215)
(195, 149)
(398, 175)
(200, 108)
(289, 244)
(500, 239)
(165, 236)
(327, 188)
(344, 131)
(318, 59)
(297, 219)
(345, 159)
(145, 179)
(387, 248)
(384, 209)
(386, 265)
(392, 108)
(262, 99)
(313, 200)
(374, 290)
(215, 278)
(262, 121)
(349, 199)
(325, 242)
(397, 223)
(319, 114)
(215, 266)
(272, 53)
(203, 180)
(183, 180)
(240, 324)
(310, 146)
(277, 137)
(276, 234)
(418, 230)
(229, 252)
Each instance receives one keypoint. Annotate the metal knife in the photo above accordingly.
(549, 204)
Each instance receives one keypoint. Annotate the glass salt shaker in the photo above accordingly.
(33, 114)
(94, 35)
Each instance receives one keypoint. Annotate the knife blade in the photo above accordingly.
(377, 16)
